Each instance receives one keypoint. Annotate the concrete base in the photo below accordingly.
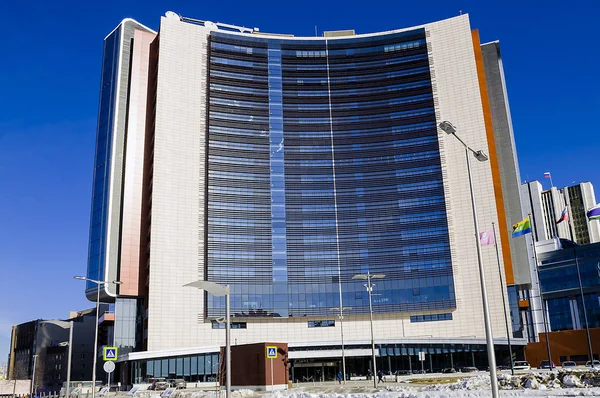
(211, 385)
(18, 387)
(275, 387)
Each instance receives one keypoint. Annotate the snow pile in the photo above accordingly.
(557, 379)
(197, 394)
(572, 381)
(242, 393)
(530, 381)
(591, 378)
(415, 393)
(481, 382)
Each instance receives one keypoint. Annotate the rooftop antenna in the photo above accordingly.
(459, 12)
(316, 34)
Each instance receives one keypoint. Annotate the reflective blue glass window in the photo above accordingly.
(100, 190)
(323, 163)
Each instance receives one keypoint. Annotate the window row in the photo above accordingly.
(431, 317)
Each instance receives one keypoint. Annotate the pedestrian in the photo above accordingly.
(369, 374)
(380, 376)
(339, 377)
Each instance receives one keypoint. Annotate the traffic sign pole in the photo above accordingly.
(109, 367)
(272, 354)
(272, 382)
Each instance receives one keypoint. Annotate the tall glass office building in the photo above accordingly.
(283, 167)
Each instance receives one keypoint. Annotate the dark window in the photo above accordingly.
(233, 325)
(321, 324)
(431, 317)
(580, 358)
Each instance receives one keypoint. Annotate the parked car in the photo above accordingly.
(545, 364)
(158, 384)
(569, 364)
(522, 365)
(178, 383)
(596, 363)
(448, 370)
(469, 369)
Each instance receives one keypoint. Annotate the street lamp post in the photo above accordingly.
(448, 128)
(341, 311)
(32, 389)
(369, 286)
(220, 290)
(95, 354)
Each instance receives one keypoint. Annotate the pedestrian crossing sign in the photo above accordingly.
(271, 352)
(110, 353)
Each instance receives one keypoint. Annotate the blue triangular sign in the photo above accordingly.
(272, 352)
(110, 353)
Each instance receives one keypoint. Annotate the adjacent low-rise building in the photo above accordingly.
(38, 350)
(565, 274)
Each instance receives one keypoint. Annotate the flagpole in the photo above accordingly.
(512, 369)
(537, 270)
(550, 177)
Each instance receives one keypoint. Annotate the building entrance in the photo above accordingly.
(314, 371)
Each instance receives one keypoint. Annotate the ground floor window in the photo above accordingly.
(193, 368)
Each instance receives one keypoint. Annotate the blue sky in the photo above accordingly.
(49, 83)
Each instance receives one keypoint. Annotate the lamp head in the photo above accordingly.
(447, 127)
(481, 156)
(81, 278)
(377, 276)
(211, 287)
(117, 282)
(363, 277)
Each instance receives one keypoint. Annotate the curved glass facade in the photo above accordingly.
(100, 190)
(323, 163)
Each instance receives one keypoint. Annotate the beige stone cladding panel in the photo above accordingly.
(178, 202)
(458, 99)
(387, 328)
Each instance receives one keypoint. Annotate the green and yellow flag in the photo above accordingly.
(521, 228)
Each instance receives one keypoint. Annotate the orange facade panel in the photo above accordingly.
(489, 132)
(563, 345)
(524, 303)
(129, 272)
